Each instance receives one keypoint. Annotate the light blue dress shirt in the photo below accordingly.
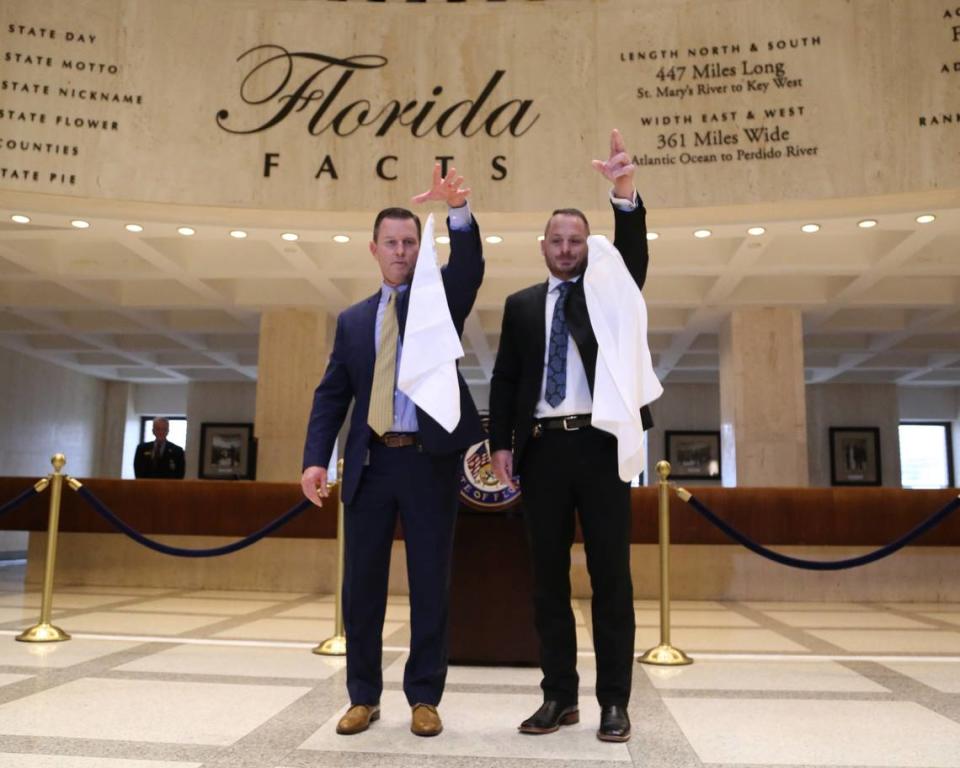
(404, 409)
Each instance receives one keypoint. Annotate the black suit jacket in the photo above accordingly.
(518, 372)
(170, 464)
(349, 374)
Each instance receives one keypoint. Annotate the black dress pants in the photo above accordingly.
(563, 473)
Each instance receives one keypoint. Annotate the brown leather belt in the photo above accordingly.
(566, 423)
(396, 439)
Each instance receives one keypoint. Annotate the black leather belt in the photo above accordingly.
(397, 439)
(566, 423)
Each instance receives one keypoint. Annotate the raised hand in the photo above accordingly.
(447, 190)
(619, 168)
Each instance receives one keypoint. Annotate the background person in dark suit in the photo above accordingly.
(158, 458)
(541, 400)
(397, 460)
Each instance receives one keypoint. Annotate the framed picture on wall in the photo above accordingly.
(693, 455)
(226, 452)
(855, 456)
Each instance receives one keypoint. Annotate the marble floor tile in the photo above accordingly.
(950, 617)
(584, 639)
(680, 605)
(239, 662)
(57, 655)
(147, 710)
(475, 725)
(10, 760)
(297, 630)
(918, 607)
(761, 676)
(838, 619)
(193, 605)
(767, 605)
(719, 639)
(497, 676)
(941, 676)
(26, 616)
(122, 622)
(327, 610)
(245, 594)
(891, 640)
(63, 600)
(813, 732)
(105, 589)
(694, 618)
(7, 679)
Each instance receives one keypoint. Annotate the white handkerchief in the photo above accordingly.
(431, 345)
(625, 379)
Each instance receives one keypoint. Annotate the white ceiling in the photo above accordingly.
(879, 305)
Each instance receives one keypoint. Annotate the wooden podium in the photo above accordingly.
(491, 591)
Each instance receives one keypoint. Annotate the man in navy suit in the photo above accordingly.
(159, 458)
(407, 465)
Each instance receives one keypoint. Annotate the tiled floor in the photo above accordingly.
(183, 678)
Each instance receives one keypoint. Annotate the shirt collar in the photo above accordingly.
(555, 281)
(386, 290)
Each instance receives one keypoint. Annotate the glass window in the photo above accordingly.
(177, 434)
(926, 458)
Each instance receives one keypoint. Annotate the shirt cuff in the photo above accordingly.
(460, 218)
(624, 204)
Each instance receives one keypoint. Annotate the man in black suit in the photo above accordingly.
(158, 458)
(541, 400)
(397, 460)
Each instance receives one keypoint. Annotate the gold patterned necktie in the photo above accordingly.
(380, 415)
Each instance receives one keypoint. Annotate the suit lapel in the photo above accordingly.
(368, 332)
(539, 323)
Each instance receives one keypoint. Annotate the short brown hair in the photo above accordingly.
(567, 212)
(394, 213)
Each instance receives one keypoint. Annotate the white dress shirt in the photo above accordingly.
(578, 399)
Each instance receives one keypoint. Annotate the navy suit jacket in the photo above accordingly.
(349, 374)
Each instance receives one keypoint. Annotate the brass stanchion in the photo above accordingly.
(337, 645)
(664, 654)
(44, 631)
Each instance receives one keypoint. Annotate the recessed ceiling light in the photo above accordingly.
(756, 231)
(810, 228)
(239, 234)
(867, 223)
(493, 239)
(341, 239)
(20, 218)
(187, 231)
(652, 235)
(702, 233)
(80, 224)
(442, 239)
(926, 218)
(133, 228)
(290, 237)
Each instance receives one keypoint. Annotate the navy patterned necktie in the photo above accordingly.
(556, 388)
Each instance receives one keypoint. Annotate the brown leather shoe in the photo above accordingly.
(358, 718)
(425, 720)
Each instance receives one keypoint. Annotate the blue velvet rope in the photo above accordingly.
(17, 500)
(828, 565)
(165, 549)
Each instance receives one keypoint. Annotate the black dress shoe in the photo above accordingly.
(614, 724)
(550, 717)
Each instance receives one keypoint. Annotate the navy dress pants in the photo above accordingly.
(422, 491)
